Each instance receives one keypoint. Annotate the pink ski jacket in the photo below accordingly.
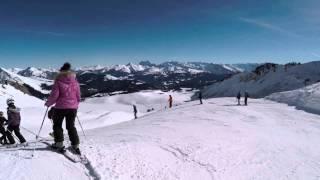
(65, 93)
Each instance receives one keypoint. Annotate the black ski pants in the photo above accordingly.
(70, 116)
(16, 131)
(3, 138)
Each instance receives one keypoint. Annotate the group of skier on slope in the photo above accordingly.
(12, 123)
(65, 96)
(246, 96)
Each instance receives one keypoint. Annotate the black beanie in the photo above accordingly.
(66, 67)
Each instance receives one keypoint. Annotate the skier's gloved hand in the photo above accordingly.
(51, 113)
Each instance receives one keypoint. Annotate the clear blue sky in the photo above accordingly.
(47, 33)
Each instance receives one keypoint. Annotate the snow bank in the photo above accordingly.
(307, 98)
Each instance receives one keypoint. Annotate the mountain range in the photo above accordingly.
(214, 80)
(100, 80)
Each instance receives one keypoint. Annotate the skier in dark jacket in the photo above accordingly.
(65, 95)
(135, 111)
(14, 119)
(3, 121)
(200, 97)
(246, 96)
(170, 101)
(239, 97)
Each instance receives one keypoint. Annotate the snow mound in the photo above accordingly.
(307, 98)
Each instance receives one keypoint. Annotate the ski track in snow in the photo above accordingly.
(217, 140)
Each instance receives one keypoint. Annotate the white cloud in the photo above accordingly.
(316, 54)
(269, 26)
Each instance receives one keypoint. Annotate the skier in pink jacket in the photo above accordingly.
(65, 95)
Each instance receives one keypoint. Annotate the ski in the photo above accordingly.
(17, 146)
(65, 152)
(83, 159)
(72, 157)
(13, 146)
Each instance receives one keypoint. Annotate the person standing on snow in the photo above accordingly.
(200, 97)
(3, 121)
(14, 119)
(135, 111)
(170, 101)
(239, 97)
(246, 96)
(66, 96)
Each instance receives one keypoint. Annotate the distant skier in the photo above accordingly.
(200, 97)
(3, 121)
(135, 111)
(170, 101)
(239, 97)
(14, 119)
(246, 96)
(65, 95)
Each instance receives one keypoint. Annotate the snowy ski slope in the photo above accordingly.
(217, 140)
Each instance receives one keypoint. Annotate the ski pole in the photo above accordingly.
(81, 127)
(29, 131)
(44, 117)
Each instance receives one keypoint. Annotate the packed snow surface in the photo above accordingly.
(217, 140)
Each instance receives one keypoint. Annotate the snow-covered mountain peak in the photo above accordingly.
(15, 70)
(25, 84)
(34, 72)
(135, 67)
(122, 68)
(91, 68)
